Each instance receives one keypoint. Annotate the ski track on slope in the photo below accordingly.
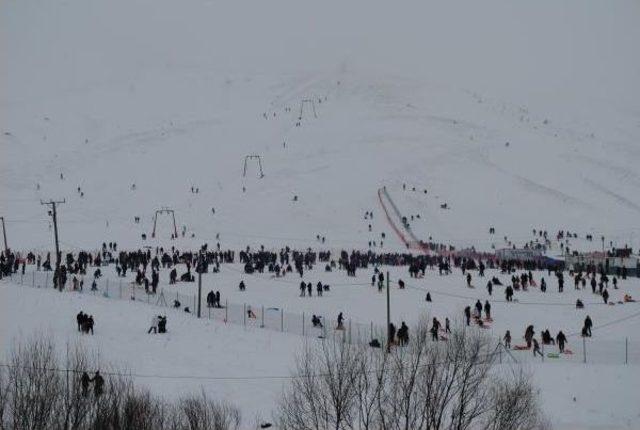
(620, 199)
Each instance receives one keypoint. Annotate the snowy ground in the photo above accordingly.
(243, 365)
(428, 95)
(173, 95)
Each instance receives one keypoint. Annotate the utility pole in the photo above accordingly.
(200, 269)
(4, 233)
(54, 215)
(388, 316)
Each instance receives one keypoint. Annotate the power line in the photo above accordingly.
(479, 360)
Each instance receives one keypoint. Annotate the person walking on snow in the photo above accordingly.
(561, 339)
(536, 348)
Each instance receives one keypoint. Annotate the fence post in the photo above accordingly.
(584, 350)
(626, 350)
(500, 352)
(120, 289)
(226, 310)
(302, 323)
(244, 314)
(349, 331)
(209, 313)
(282, 319)
(262, 326)
(371, 331)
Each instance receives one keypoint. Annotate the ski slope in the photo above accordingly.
(249, 366)
(517, 116)
(168, 96)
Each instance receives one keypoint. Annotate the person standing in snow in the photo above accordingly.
(561, 339)
(85, 380)
(98, 384)
(340, 322)
(154, 324)
(587, 326)
(467, 314)
(507, 340)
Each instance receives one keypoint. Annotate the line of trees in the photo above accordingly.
(455, 384)
(36, 395)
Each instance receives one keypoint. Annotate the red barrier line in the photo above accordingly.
(393, 226)
(408, 244)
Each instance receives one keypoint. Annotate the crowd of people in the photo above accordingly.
(145, 265)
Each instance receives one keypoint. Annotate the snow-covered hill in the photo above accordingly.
(168, 95)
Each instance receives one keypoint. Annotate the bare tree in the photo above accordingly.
(40, 391)
(4, 395)
(197, 412)
(323, 392)
(423, 385)
(515, 404)
(35, 390)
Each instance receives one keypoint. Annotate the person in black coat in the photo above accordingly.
(561, 339)
(587, 325)
(467, 314)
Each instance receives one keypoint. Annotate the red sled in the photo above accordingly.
(521, 347)
(567, 351)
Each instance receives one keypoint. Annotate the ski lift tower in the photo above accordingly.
(166, 211)
(248, 158)
(312, 102)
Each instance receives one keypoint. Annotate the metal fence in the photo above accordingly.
(582, 350)
(246, 314)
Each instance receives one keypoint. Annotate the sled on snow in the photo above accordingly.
(521, 347)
